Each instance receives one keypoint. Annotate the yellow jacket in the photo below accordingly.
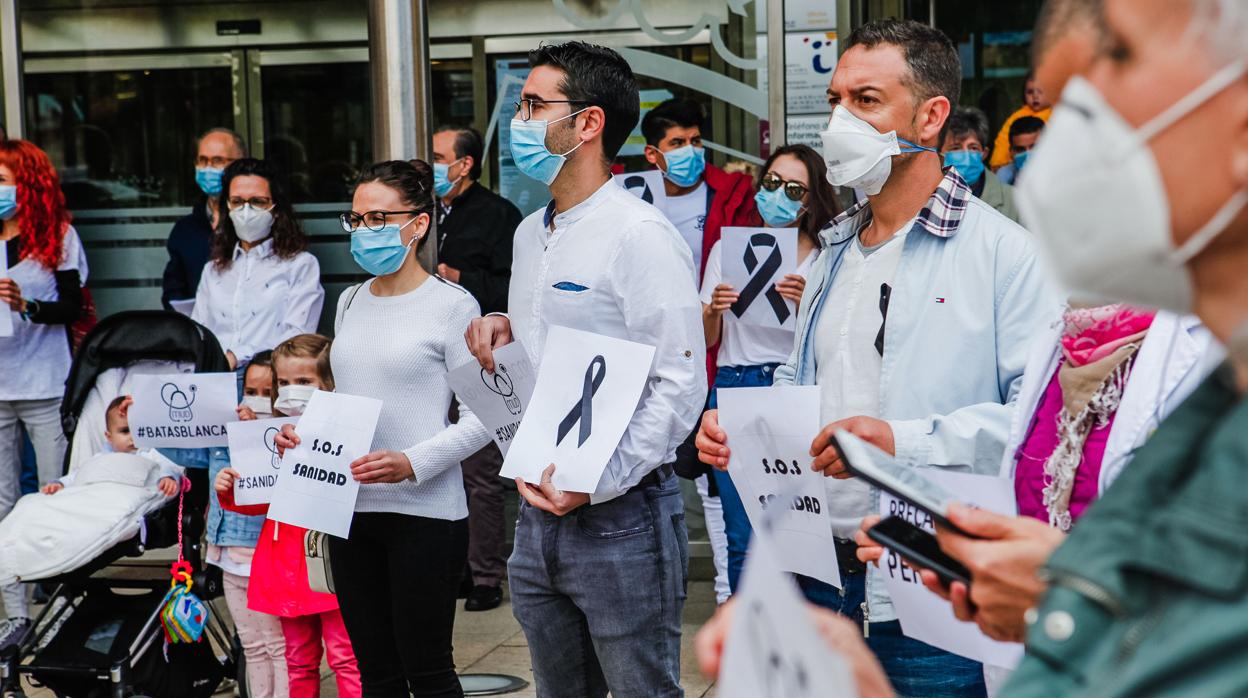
(1001, 148)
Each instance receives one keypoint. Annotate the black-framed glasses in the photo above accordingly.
(794, 190)
(524, 108)
(260, 202)
(217, 162)
(372, 220)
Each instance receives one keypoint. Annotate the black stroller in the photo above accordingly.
(100, 636)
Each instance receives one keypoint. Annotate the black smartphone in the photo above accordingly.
(882, 470)
(919, 548)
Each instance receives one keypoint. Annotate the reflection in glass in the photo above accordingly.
(126, 138)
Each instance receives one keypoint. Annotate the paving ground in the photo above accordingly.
(491, 642)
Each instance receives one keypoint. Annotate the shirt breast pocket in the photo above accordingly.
(568, 301)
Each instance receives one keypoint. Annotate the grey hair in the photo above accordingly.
(238, 140)
(1223, 24)
(966, 120)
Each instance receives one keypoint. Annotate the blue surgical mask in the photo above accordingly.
(529, 151)
(685, 165)
(1019, 161)
(209, 180)
(776, 208)
(8, 201)
(968, 163)
(381, 252)
(442, 184)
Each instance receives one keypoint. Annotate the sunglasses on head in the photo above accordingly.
(794, 190)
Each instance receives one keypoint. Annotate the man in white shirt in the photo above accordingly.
(599, 593)
(915, 319)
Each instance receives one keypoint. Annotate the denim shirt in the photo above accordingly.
(969, 294)
(225, 528)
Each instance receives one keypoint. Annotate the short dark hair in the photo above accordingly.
(288, 236)
(1024, 125)
(468, 144)
(821, 204)
(968, 120)
(672, 113)
(599, 77)
(935, 69)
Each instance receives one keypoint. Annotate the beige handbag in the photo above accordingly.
(316, 553)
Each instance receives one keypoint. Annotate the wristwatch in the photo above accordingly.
(30, 308)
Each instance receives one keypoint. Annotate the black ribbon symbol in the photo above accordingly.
(583, 410)
(637, 181)
(761, 278)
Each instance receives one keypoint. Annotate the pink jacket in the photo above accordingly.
(279, 572)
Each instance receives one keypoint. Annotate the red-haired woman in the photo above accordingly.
(42, 291)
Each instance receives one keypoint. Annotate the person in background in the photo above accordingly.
(262, 286)
(917, 332)
(701, 200)
(42, 292)
(1024, 133)
(966, 138)
(793, 192)
(1036, 104)
(598, 579)
(232, 539)
(475, 231)
(190, 241)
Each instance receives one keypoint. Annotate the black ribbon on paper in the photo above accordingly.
(583, 410)
(761, 278)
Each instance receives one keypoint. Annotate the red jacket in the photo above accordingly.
(732, 204)
(279, 571)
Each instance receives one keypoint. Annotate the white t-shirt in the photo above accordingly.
(847, 364)
(688, 214)
(743, 344)
(36, 358)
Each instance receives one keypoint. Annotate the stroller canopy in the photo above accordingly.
(136, 335)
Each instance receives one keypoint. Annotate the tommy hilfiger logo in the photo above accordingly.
(940, 299)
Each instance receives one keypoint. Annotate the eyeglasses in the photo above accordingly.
(217, 162)
(261, 202)
(373, 220)
(524, 108)
(794, 190)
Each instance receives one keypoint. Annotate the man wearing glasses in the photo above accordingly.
(190, 240)
(598, 578)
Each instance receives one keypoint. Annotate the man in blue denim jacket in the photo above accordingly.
(915, 318)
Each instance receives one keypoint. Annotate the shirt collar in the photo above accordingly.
(582, 209)
(263, 249)
(941, 216)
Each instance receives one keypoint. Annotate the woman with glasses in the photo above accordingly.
(396, 336)
(793, 192)
(261, 285)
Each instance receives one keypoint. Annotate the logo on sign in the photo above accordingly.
(178, 401)
(501, 384)
(270, 443)
(782, 674)
(638, 182)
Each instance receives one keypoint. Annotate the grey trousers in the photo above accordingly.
(42, 419)
(487, 533)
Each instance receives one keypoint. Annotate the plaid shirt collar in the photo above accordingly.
(941, 216)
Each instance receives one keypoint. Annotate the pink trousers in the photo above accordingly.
(304, 635)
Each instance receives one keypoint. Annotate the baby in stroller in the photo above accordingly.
(120, 440)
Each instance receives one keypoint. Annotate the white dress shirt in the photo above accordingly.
(260, 300)
(614, 265)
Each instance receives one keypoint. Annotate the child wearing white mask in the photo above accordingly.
(278, 569)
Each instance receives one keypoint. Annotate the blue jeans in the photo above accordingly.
(914, 668)
(599, 594)
(736, 523)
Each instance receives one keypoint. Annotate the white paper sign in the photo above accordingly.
(773, 649)
(497, 399)
(588, 386)
(315, 488)
(754, 260)
(182, 410)
(253, 454)
(6, 313)
(769, 434)
(925, 616)
(647, 186)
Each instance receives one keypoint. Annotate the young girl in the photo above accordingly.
(279, 570)
(232, 541)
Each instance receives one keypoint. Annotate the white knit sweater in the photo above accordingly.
(398, 349)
